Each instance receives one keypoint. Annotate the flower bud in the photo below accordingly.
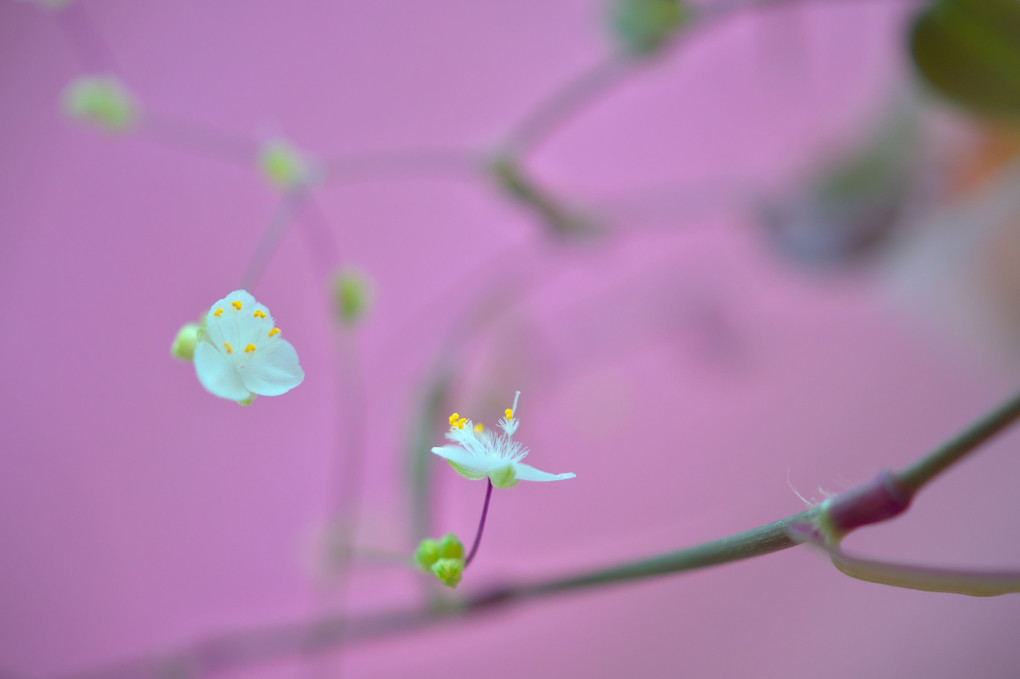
(643, 27)
(283, 166)
(101, 101)
(427, 553)
(184, 344)
(450, 547)
(352, 295)
(449, 571)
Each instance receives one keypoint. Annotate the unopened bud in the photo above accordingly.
(449, 571)
(427, 553)
(101, 101)
(184, 344)
(450, 547)
(352, 295)
(283, 165)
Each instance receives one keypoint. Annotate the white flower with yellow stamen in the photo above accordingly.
(241, 354)
(480, 454)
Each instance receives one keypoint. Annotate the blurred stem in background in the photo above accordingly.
(90, 48)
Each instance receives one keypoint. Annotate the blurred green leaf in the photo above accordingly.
(969, 51)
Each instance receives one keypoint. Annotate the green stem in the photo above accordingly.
(759, 541)
(919, 474)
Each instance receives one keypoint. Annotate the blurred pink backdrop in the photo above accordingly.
(138, 512)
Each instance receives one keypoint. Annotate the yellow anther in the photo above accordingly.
(509, 414)
(274, 331)
(236, 304)
(218, 313)
(230, 349)
(453, 419)
(249, 349)
(461, 422)
(258, 313)
(479, 427)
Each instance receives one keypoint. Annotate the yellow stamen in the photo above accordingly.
(249, 349)
(230, 349)
(236, 304)
(259, 314)
(479, 427)
(509, 414)
(461, 422)
(218, 313)
(453, 419)
(274, 331)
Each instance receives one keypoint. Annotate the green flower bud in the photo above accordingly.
(504, 477)
(643, 27)
(283, 166)
(101, 101)
(450, 547)
(184, 344)
(449, 571)
(427, 553)
(352, 295)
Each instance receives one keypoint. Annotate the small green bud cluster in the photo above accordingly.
(444, 558)
(101, 101)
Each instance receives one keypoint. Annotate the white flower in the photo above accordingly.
(241, 354)
(479, 453)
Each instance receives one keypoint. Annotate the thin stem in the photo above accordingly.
(89, 46)
(245, 648)
(759, 541)
(481, 526)
(271, 237)
(403, 164)
(919, 474)
(565, 103)
(204, 140)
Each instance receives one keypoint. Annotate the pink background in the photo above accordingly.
(685, 373)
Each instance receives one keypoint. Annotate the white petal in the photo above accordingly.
(275, 371)
(466, 464)
(528, 473)
(217, 374)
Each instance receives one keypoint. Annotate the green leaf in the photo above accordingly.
(969, 51)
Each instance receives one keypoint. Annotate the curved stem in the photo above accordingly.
(481, 525)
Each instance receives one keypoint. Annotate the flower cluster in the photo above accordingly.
(444, 558)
